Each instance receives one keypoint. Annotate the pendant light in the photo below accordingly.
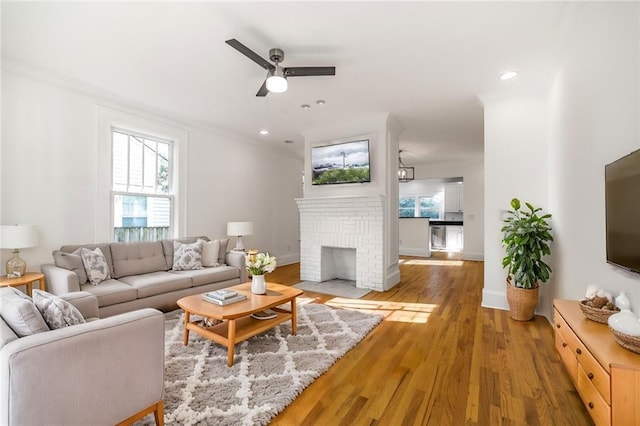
(405, 174)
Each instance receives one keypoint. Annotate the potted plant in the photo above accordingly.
(526, 240)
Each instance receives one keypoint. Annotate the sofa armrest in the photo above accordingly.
(59, 280)
(86, 303)
(237, 259)
(100, 372)
(6, 334)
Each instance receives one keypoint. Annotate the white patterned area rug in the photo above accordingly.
(270, 369)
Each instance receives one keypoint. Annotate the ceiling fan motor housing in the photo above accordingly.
(276, 55)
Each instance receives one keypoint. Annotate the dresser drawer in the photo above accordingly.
(594, 372)
(568, 356)
(597, 407)
(565, 331)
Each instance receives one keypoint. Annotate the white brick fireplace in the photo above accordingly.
(355, 223)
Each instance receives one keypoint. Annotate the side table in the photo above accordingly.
(26, 280)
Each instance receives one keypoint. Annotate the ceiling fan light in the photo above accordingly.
(276, 82)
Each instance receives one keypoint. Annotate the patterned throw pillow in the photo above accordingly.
(95, 264)
(56, 312)
(187, 256)
(210, 251)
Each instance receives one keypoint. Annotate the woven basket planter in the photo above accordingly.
(522, 302)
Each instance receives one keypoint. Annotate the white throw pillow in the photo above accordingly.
(56, 312)
(95, 264)
(20, 313)
(187, 257)
(210, 251)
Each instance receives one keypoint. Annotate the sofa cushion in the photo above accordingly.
(95, 265)
(167, 247)
(56, 312)
(137, 258)
(222, 255)
(187, 256)
(72, 262)
(156, 283)
(105, 247)
(20, 313)
(210, 275)
(110, 292)
(210, 252)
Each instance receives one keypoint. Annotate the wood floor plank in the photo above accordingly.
(438, 358)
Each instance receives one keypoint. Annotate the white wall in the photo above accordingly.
(551, 150)
(50, 161)
(595, 119)
(515, 167)
(472, 172)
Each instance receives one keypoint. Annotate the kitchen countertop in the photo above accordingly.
(439, 222)
(446, 222)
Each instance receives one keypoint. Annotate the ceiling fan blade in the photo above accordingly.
(263, 89)
(309, 71)
(249, 54)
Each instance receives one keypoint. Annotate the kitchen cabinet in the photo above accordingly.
(455, 237)
(454, 197)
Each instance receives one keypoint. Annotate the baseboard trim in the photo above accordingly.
(288, 259)
(392, 279)
(494, 299)
(411, 251)
(473, 256)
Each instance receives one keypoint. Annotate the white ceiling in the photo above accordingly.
(422, 62)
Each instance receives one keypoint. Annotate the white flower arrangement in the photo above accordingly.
(260, 264)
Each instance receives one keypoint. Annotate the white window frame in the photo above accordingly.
(111, 119)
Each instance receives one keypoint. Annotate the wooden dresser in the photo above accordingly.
(606, 375)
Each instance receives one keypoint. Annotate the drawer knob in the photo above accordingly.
(564, 345)
(591, 405)
(557, 325)
(590, 376)
(578, 351)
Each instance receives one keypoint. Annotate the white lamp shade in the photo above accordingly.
(239, 228)
(18, 236)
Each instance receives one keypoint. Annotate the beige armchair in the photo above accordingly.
(104, 372)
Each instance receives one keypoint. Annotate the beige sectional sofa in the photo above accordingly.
(100, 372)
(142, 275)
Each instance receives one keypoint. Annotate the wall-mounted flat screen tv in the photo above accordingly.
(622, 195)
(346, 162)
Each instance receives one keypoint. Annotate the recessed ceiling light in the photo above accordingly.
(305, 106)
(288, 141)
(508, 75)
(264, 132)
(320, 102)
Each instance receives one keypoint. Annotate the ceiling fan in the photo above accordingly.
(276, 80)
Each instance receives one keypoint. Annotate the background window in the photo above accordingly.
(430, 207)
(407, 206)
(141, 187)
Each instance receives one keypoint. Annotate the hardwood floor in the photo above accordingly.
(439, 358)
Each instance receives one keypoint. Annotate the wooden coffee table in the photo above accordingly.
(237, 324)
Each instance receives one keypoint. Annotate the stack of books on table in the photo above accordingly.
(224, 297)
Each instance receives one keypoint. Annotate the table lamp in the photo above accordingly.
(239, 229)
(16, 237)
